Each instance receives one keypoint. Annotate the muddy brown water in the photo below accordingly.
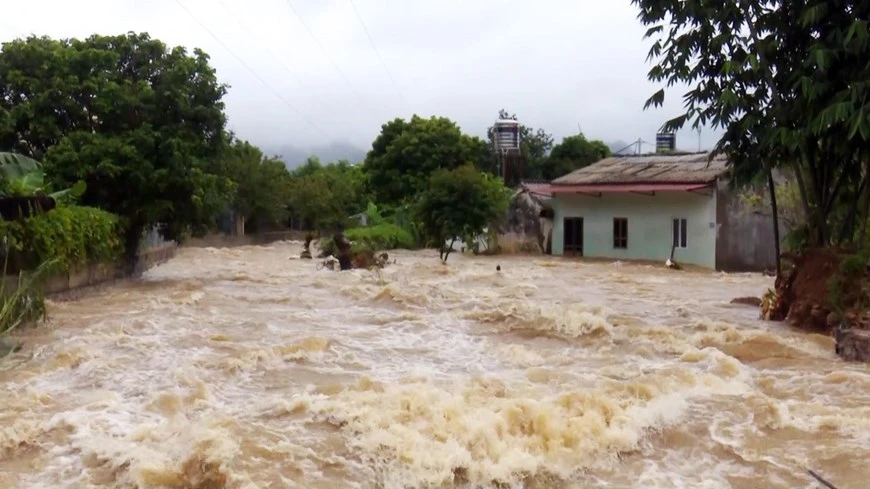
(250, 368)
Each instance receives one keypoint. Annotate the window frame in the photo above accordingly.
(680, 233)
(620, 242)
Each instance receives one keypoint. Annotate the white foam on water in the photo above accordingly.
(241, 368)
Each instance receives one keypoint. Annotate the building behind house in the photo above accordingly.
(642, 207)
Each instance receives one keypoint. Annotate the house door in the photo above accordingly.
(573, 236)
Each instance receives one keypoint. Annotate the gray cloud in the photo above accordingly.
(556, 63)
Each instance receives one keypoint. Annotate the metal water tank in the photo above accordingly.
(666, 142)
(507, 135)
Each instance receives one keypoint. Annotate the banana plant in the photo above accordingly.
(21, 176)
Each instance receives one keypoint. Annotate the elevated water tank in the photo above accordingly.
(666, 142)
(506, 135)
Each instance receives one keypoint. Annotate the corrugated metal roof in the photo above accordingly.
(627, 188)
(651, 169)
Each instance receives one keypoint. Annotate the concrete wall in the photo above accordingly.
(746, 240)
(65, 285)
(650, 225)
(227, 241)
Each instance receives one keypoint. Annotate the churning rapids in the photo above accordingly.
(249, 368)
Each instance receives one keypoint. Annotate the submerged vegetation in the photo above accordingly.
(22, 300)
(384, 236)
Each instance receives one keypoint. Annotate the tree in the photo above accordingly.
(406, 153)
(787, 82)
(477, 152)
(535, 145)
(572, 153)
(325, 196)
(261, 184)
(459, 204)
(135, 120)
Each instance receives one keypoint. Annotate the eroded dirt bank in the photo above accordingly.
(251, 368)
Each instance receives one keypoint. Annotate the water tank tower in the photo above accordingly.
(666, 142)
(506, 141)
(507, 135)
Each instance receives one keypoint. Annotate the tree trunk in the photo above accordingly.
(802, 189)
(866, 214)
(812, 233)
(132, 238)
(449, 249)
(771, 186)
(847, 230)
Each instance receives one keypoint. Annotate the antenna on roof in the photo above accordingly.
(637, 146)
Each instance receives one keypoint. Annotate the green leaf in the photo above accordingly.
(656, 100)
(653, 31)
(753, 61)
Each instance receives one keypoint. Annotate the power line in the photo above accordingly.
(240, 60)
(322, 49)
(378, 53)
(271, 53)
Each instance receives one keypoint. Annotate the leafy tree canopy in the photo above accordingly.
(788, 81)
(572, 153)
(134, 119)
(262, 185)
(325, 196)
(406, 153)
(460, 203)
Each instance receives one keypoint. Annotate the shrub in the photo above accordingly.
(25, 304)
(459, 204)
(67, 236)
(381, 237)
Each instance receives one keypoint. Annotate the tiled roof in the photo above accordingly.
(648, 169)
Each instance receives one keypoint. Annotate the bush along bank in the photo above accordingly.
(67, 237)
(37, 247)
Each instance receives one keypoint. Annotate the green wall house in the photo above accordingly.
(638, 207)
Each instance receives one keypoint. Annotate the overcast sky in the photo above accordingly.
(557, 64)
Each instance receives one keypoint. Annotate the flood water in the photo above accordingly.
(249, 368)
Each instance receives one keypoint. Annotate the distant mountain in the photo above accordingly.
(294, 156)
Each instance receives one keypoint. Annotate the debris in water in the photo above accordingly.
(821, 480)
(329, 263)
(342, 245)
(306, 251)
(747, 301)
